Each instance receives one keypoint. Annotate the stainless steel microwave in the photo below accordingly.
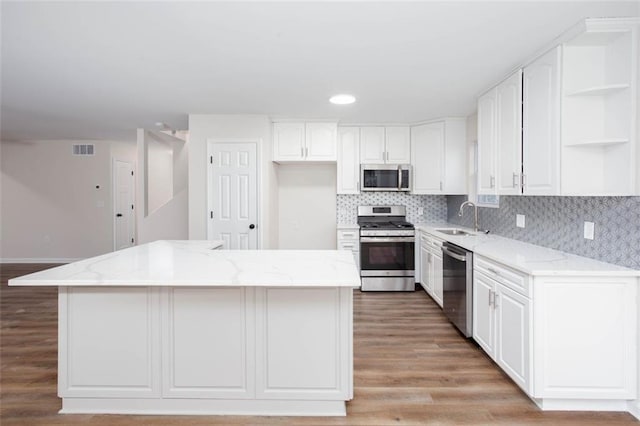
(385, 177)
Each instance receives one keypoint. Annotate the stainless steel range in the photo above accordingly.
(387, 244)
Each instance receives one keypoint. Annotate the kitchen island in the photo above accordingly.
(181, 327)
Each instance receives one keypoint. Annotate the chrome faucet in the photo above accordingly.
(461, 212)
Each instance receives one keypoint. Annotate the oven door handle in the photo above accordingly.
(387, 239)
(456, 256)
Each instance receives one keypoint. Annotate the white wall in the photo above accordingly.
(307, 206)
(163, 212)
(231, 127)
(51, 208)
(472, 138)
(159, 166)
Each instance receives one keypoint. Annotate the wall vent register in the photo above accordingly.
(83, 149)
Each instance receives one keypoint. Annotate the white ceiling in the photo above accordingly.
(87, 70)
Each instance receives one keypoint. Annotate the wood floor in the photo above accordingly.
(411, 368)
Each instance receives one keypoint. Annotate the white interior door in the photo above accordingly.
(123, 221)
(233, 205)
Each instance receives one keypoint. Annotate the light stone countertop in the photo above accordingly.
(528, 258)
(202, 263)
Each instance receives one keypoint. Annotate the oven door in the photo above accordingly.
(387, 256)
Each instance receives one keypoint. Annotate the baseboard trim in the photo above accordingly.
(634, 409)
(39, 260)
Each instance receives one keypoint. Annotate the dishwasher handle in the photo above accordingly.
(460, 257)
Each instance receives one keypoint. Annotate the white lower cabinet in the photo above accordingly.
(501, 326)
(194, 349)
(196, 364)
(513, 338)
(570, 342)
(431, 265)
(349, 239)
(484, 317)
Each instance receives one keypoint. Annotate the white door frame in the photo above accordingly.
(259, 189)
(114, 190)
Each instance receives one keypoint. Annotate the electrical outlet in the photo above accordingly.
(589, 230)
(520, 220)
(420, 211)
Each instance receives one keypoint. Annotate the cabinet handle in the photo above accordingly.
(347, 246)
(493, 270)
(495, 300)
(515, 180)
(523, 181)
(306, 152)
(490, 294)
(492, 181)
(302, 152)
(440, 185)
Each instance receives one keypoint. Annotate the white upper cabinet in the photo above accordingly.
(541, 125)
(380, 145)
(321, 141)
(500, 138)
(398, 145)
(297, 141)
(579, 117)
(438, 157)
(509, 135)
(372, 146)
(288, 141)
(487, 110)
(599, 109)
(348, 168)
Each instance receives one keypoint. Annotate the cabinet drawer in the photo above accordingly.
(515, 280)
(352, 245)
(349, 234)
(425, 239)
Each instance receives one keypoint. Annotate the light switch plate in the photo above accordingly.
(589, 230)
(520, 220)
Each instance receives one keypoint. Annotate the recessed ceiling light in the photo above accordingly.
(342, 99)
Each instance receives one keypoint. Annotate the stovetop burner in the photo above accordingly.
(386, 225)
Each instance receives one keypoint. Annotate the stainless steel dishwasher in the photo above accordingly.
(457, 283)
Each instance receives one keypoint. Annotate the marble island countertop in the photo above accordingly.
(201, 263)
(528, 258)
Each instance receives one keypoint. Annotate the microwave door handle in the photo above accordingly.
(399, 178)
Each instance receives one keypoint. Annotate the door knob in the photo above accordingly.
(119, 215)
(252, 226)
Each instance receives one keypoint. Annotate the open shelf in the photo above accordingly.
(599, 90)
(597, 142)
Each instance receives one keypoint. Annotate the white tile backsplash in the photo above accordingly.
(434, 207)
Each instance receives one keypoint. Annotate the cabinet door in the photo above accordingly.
(541, 125)
(398, 145)
(321, 141)
(486, 143)
(372, 149)
(288, 141)
(427, 158)
(436, 260)
(425, 262)
(509, 135)
(208, 342)
(513, 335)
(348, 167)
(483, 313)
(109, 342)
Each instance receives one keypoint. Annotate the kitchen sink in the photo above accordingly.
(454, 231)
